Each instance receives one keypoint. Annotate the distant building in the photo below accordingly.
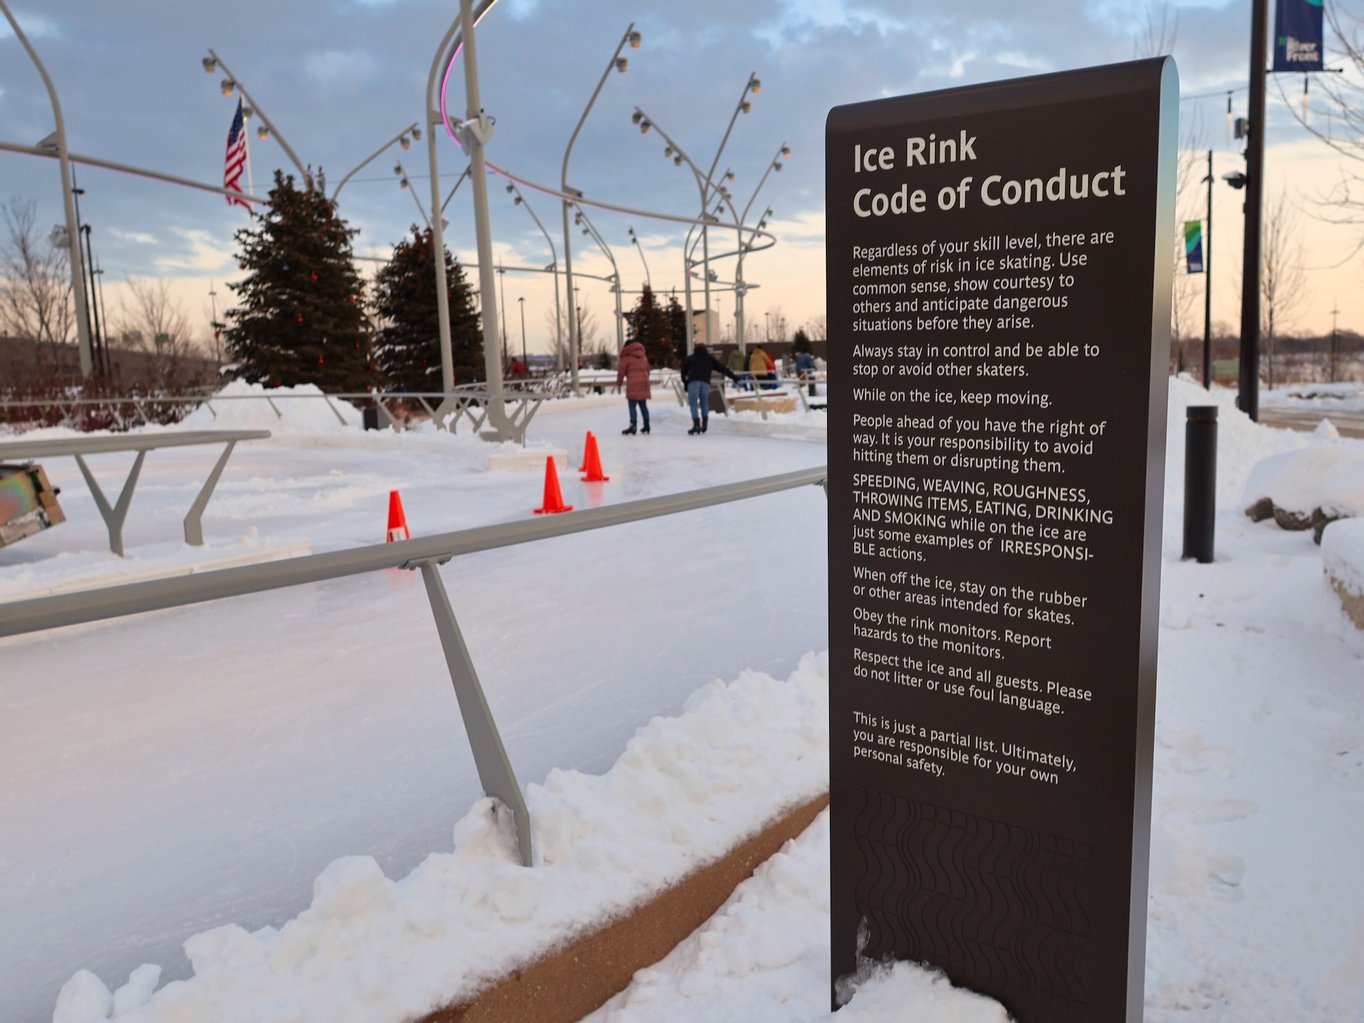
(705, 327)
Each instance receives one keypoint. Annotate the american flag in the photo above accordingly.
(235, 160)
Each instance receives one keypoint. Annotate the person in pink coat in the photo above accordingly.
(633, 369)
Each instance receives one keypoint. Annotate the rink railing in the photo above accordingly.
(445, 409)
(426, 554)
(764, 391)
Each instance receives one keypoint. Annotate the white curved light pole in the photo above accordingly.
(475, 132)
(211, 63)
(705, 188)
(743, 107)
(783, 151)
(403, 138)
(434, 120)
(87, 360)
(406, 186)
(590, 229)
(519, 200)
(741, 287)
(617, 63)
(634, 239)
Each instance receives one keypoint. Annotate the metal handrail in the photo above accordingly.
(460, 399)
(36, 614)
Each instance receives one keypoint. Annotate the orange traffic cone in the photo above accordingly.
(591, 440)
(397, 521)
(592, 462)
(554, 501)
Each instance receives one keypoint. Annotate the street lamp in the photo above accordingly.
(634, 238)
(783, 152)
(211, 63)
(68, 201)
(706, 187)
(406, 186)
(519, 200)
(753, 85)
(522, 302)
(589, 229)
(403, 138)
(502, 301)
(632, 39)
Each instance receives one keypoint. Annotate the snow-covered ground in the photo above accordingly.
(171, 774)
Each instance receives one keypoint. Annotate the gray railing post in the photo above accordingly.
(194, 526)
(490, 757)
(335, 411)
(113, 517)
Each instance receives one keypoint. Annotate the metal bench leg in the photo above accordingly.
(494, 769)
(194, 527)
(113, 517)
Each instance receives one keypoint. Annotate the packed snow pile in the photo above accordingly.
(373, 948)
(1242, 443)
(1342, 553)
(304, 409)
(765, 955)
(1326, 475)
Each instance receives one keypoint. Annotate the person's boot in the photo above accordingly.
(629, 431)
(705, 421)
(695, 427)
(645, 429)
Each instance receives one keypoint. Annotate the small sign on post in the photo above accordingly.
(999, 286)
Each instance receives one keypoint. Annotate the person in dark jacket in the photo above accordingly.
(633, 370)
(696, 371)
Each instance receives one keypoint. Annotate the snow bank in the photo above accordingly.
(373, 948)
(1327, 474)
(765, 955)
(1241, 442)
(1342, 553)
(289, 410)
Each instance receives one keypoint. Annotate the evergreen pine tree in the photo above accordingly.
(647, 322)
(801, 341)
(677, 332)
(408, 342)
(301, 319)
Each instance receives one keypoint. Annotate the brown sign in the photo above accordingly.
(999, 263)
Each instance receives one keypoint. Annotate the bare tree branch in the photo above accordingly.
(35, 282)
(150, 320)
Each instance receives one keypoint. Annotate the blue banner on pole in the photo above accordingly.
(1193, 246)
(1298, 35)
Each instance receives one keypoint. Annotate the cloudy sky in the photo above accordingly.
(340, 78)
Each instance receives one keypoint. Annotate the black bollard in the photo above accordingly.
(1200, 481)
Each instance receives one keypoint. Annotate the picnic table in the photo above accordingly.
(114, 516)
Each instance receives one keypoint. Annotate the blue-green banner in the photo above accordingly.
(1193, 246)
